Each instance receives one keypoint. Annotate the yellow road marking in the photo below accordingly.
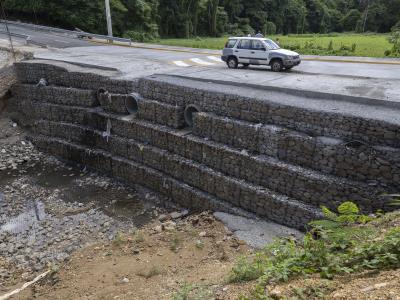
(209, 53)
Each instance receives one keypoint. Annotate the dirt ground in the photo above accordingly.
(188, 259)
(160, 261)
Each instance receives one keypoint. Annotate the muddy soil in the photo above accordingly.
(190, 256)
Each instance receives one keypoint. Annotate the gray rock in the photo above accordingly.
(256, 233)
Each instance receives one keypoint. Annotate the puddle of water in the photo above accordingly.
(46, 175)
(122, 204)
(34, 213)
(53, 176)
(119, 204)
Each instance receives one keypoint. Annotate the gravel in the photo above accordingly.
(49, 209)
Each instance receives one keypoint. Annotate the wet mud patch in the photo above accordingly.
(123, 204)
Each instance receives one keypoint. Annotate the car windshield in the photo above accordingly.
(271, 45)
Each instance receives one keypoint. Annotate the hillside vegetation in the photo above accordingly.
(345, 242)
(149, 19)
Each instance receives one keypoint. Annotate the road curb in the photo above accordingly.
(93, 66)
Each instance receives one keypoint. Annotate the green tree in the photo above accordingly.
(146, 19)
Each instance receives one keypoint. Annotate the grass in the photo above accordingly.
(175, 242)
(139, 237)
(368, 45)
(193, 292)
(119, 239)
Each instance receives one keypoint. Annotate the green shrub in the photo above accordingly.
(394, 39)
(193, 292)
(388, 52)
(336, 245)
(141, 36)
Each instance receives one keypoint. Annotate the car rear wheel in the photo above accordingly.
(232, 63)
(276, 65)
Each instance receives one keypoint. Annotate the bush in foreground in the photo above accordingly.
(346, 242)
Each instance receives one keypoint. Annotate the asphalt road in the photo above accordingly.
(50, 39)
(192, 57)
(183, 58)
(371, 78)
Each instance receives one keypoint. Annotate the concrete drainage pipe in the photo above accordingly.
(132, 103)
(188, 114)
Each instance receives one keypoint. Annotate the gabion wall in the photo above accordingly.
(277, 161)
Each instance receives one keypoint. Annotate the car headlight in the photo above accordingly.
(289, 57)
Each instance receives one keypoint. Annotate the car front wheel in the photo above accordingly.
(232, 63)
(277, 65)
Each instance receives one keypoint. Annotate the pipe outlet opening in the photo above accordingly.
(100, 92)
(132, 103)
(188, 114)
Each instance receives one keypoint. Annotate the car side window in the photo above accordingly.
(245, 44)
(231, 43)
(258, 45)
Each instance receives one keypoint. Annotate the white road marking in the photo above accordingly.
(180, 63)
(201, 62)
(214, 58)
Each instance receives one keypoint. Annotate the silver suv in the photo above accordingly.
(258, 51)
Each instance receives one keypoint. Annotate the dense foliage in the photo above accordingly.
(147, 19)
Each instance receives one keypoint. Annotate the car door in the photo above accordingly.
(243, 51)
(259, 53)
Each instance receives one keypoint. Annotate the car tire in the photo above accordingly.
(276, 65)
(232, 62)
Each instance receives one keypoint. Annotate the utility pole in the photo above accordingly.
(365, 16)
(108, 16)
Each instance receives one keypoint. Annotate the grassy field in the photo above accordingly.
(372, 45)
